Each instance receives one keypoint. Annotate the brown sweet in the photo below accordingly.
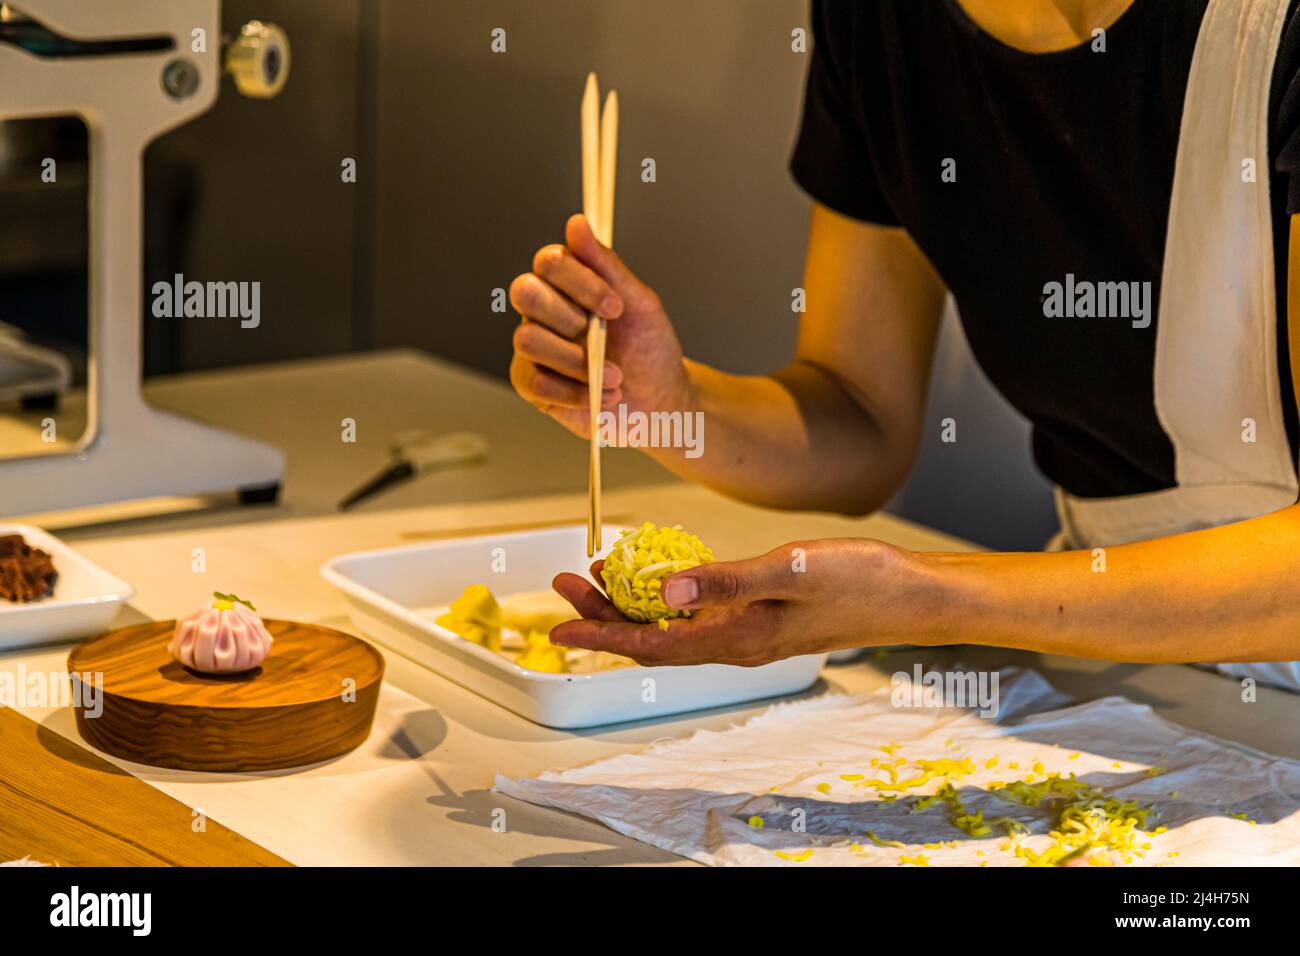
(26, 573)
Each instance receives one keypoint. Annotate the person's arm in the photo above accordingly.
(1223, 594)
(835, 430)
(1219, 595)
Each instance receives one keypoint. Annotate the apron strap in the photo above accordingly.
(1216, 329)
(1293, 309)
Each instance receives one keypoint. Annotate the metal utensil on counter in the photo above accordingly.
(417, 452)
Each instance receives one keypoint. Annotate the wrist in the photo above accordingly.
(950, 599)
(690, 385)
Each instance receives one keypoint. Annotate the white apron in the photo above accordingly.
(1216, 338)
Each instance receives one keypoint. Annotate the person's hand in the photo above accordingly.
(643, 359)
(807, 597)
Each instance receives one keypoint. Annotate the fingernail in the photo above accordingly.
(613, 375)
(611, 307)
(678, 592)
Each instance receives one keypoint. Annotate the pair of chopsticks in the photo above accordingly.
(599, 151)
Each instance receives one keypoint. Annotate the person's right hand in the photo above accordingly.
(643, 359)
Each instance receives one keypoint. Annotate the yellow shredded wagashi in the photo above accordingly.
(640, 560)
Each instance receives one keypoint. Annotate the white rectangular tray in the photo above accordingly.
(384, 587)
(86, 598)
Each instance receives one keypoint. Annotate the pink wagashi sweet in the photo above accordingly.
(226, 638)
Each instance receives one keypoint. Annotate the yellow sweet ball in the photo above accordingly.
(637, 564)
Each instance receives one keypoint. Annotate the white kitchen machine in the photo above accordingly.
(131, 70)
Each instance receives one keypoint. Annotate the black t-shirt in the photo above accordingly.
(1064, 165)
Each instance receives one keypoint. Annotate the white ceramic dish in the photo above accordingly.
(384, 588)
(86, 598)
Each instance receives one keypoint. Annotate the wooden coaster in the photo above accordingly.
(313, 698)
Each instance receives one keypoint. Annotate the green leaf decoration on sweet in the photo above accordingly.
(232, 599)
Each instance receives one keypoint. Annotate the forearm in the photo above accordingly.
(795, 439)
(1224, 594)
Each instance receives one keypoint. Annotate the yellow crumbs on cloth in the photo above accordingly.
(1086, 818)
(871, 835)
(1077, 821)
(794, 857)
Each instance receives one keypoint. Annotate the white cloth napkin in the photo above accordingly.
(1223, 804)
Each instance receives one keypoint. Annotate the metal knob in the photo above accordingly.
(258, 59)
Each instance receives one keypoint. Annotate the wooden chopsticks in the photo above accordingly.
(599, 155)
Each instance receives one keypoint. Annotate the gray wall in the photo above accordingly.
(479, 164)
(269, 203)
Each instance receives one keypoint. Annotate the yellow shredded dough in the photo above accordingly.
(636, 566)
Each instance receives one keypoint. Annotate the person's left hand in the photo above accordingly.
(806, 597)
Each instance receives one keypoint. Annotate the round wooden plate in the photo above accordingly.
(313, 698)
